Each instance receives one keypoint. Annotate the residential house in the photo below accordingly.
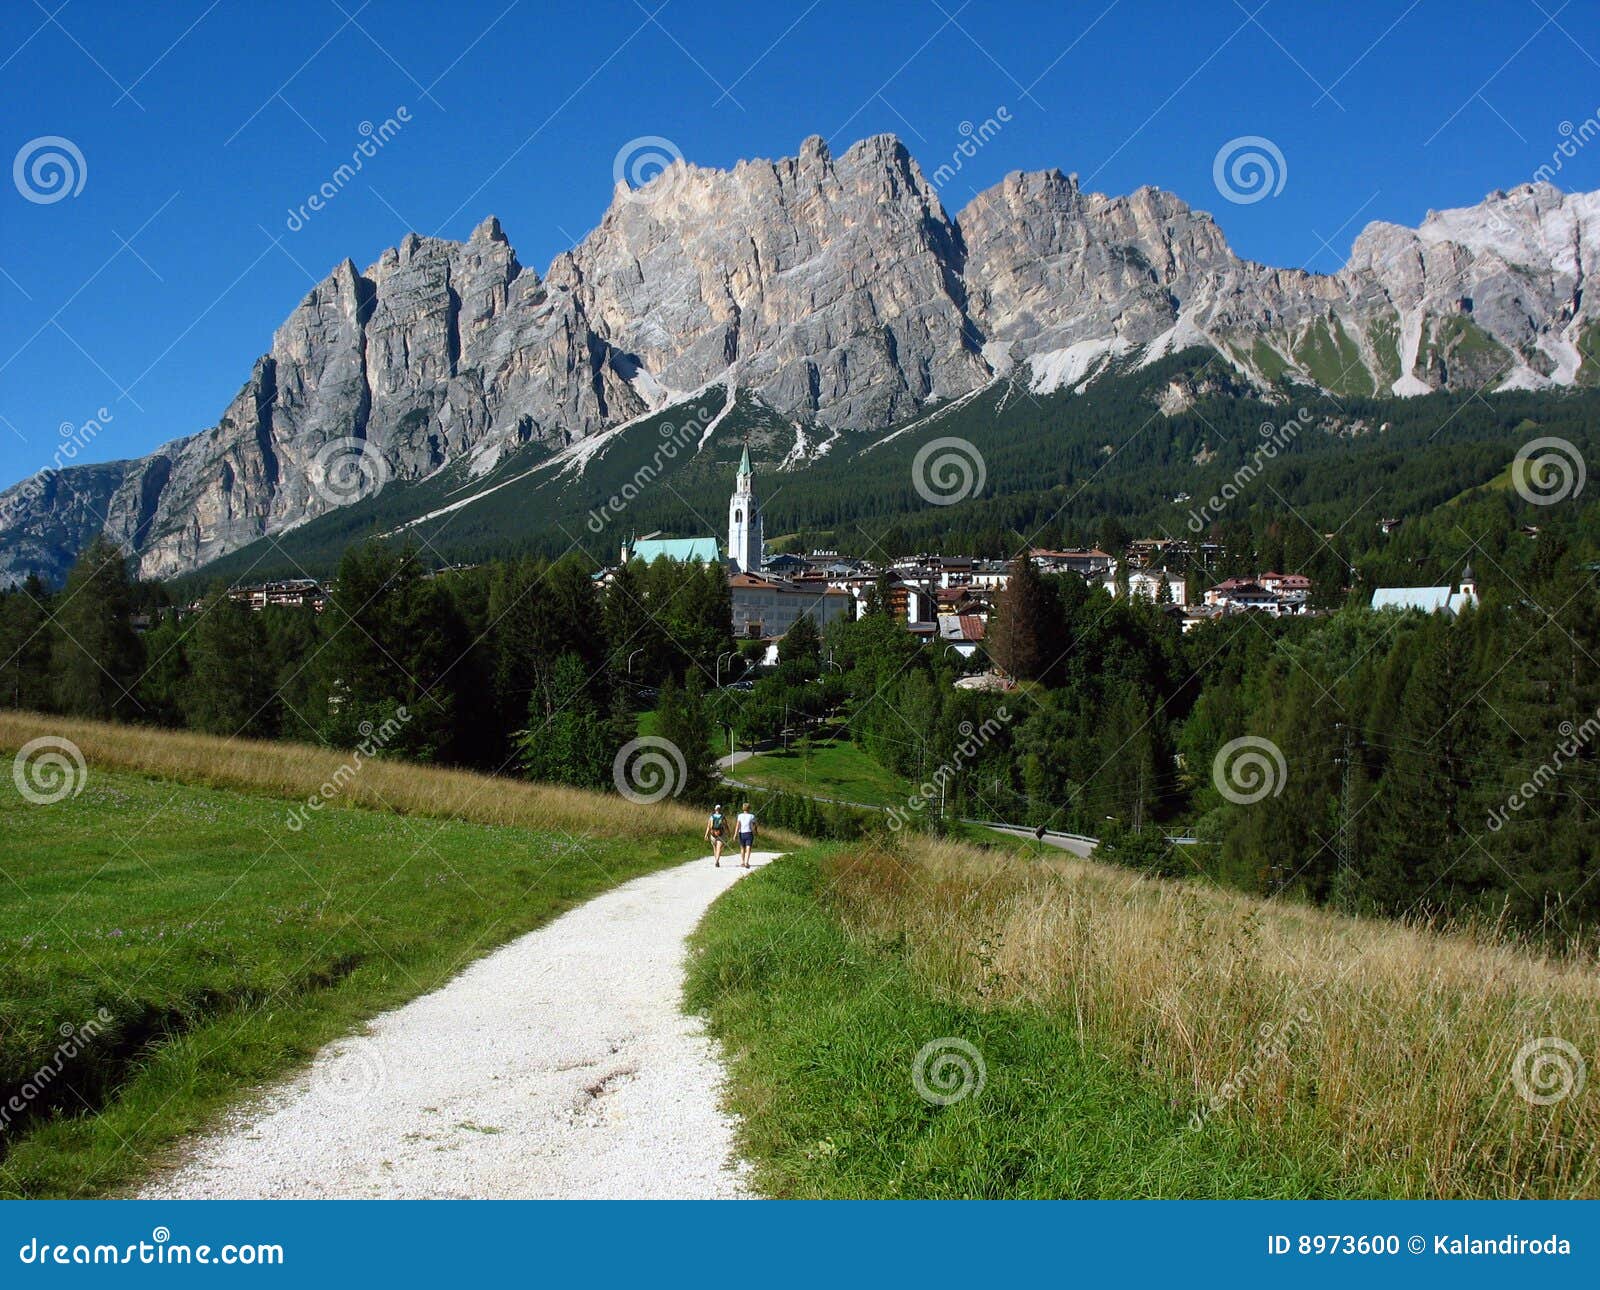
(963, 633)
(1094, 565)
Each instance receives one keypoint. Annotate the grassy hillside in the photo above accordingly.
(175, 933)
(829, 768)
(1134, 1037)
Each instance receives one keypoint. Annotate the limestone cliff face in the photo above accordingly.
(833, 288)
(840, 292)
(434, 350)
(1487, 296)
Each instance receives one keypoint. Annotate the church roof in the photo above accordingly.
(1427, 599)
(697, 550)
(744, 461)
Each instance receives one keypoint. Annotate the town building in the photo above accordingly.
(1147, 583)
(1092, 565)
(289, 593)
(765, 608)
(1293, 590)
(1233, 594)
(963, 633)
(1276, 594)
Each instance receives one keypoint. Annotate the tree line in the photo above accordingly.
(526, 663)
(1412, 764)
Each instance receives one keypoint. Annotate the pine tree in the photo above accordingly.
(802, 643)
(1024, 636)
(25, 646)
(1431, 796)
(164, 687)
(683, 720)
(96, 657)
(294, 637)
(1291, 835)
(230, 675)
(563, 742)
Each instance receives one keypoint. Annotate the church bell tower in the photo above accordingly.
(744, 521)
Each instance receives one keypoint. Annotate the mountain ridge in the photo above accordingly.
(844, 297)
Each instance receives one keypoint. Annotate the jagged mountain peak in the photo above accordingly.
(838, 292)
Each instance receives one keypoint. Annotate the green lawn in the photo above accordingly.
(840, 770)
(163, 947)
(832, 768)
(825, 1032)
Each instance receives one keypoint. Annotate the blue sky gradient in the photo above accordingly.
(202, 125)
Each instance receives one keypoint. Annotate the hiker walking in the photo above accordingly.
(747, 834)
(716, 830)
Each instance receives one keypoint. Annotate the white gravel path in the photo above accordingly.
(561, 1065)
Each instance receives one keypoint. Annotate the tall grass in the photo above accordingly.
(297, 771)
(1384, 1048)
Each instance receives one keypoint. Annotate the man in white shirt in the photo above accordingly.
(746, 824)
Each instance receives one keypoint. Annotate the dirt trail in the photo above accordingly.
(560, 1065)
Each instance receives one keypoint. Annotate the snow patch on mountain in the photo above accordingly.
(1068, 368)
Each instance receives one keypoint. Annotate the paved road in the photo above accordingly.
(1077, 843)
(560, 1065)
(1073, 842)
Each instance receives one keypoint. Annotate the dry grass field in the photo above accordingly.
(299, 771)
(1396, 1047)
(932, 1020)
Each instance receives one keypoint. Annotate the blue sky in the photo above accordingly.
(151, 290)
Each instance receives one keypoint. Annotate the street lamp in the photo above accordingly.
(725, 654)
(633, 656)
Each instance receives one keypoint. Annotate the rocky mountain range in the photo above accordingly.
(837, 291)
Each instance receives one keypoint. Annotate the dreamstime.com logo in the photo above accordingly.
(648, 769)
(1548, 1070)
(373, 138)
(947, 471)
(1248, 169)
(75, 437)
(932, 789)
(49, 769)
(1276, 1039)
(49, 168)
(1249, 768)
(640, 164)
(74, 1040)
(374, 739)
(948, 1070)
(160, 1249)
(674, 439)
(973, 139)
(1573, 138)
(347, 470)
(1574, 740)
(1274, 439)
(349, 1074)
(1547, 470)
